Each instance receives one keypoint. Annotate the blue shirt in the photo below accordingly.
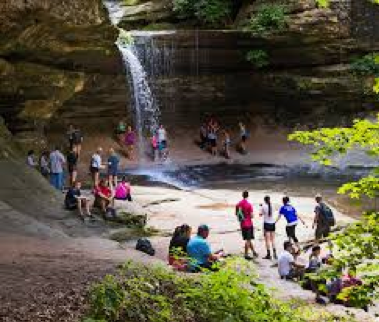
(199, 250)
(113, 162)
(289, 213)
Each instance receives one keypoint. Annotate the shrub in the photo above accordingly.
(154, 294)
(258, 57)
(208, 12)
(366, 65)
(269, 17)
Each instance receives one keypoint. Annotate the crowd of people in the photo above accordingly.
(158, 142)
(218, 141)
(194, 254)
(54, 165)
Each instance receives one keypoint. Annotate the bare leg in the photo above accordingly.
(73, 177)
(86, 204)
(78, 150)
(267, 241)
(103, 204)
(80, 208)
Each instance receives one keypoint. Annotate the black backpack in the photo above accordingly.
(144, 245)
(328, 214)
(77, 137)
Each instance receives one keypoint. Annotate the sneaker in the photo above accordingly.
(255, 254)
(248, 258)
(267, 257)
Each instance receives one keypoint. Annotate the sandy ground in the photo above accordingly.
(47, 279)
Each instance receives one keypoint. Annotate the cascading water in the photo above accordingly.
(146, 110)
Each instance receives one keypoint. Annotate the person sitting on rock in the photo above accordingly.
(287, 266)
(200, 253)
(75, 200)
(31, 160)
(177, 251)
(123, 191)
(104, 196)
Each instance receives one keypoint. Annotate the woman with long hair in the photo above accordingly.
(177, 251)
(268, 227)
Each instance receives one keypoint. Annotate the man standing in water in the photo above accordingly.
(244, 211)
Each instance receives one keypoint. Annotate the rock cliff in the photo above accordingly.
(52, 54)
(59, 64)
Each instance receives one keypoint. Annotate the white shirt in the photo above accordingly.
(284, 263)
(96, 161)
(44, 162)
(30, 161)
(161, 135)
(265, 213)
(56, 161)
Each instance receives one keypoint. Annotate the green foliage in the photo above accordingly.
(259, 58)
(376, 86)
(124, 37)
(367, 65)
(213, 13)
(154, 294)
(323, 3)
(358, 245)
(269, 17)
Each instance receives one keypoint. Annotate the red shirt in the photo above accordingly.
(247, 210)
(103, 190)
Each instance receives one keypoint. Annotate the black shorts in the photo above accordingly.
(213, 143)
(94, 170)
(72, 168)
(322, 232)
(248, 233)
(291, 232)
(244, 138)
(268, 227)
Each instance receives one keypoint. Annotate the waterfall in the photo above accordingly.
(145, 108)
(146, 111)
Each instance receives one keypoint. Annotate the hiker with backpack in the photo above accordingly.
(324, 219)
(75, 139)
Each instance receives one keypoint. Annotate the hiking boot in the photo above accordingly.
(268, 256)
(255, 254)
(275, 256)
(248, 258)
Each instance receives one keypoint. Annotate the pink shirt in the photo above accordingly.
(247, 210)
(122, 190)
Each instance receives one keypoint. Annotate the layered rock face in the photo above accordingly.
(308, 81)
(59, 64)
(57, 55)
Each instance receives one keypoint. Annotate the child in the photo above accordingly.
(123, 190)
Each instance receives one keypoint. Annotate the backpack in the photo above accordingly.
(77, 137)
(144, 245)
(240, 215)
(328, 214)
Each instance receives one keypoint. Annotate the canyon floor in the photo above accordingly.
(47, 279)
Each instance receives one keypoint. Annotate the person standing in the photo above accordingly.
(243, 135)
(31, 160)
(212, 139)
(321, 221)
(268, 227)
(113, 162)
(245, 208)
(292, 217)
(130, 141)
(154, 147)
(57, 162)
(75, 139)
(120, 132)
(96, 166)
(162, 141)
(203, 136)
(44, 164)
(72, 166)
(226, 144)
